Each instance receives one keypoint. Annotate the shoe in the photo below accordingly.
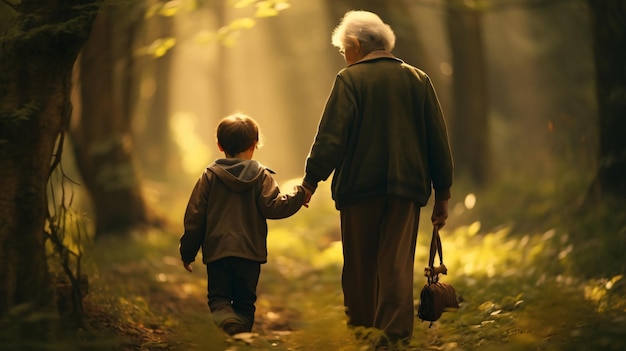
(231, 326)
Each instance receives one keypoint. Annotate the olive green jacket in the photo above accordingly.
(227, 211)
(382, 132)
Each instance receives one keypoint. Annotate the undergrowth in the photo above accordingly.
(543, 287)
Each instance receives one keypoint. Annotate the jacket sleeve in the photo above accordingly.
(440, 161)
(195, 220)
(333, 132)
(274, 205)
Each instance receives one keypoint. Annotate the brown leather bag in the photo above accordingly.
(436, 297)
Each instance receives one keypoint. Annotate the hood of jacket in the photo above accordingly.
(237, 174)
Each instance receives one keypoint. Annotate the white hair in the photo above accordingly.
(367, 28)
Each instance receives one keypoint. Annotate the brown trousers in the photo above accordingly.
(379, 237)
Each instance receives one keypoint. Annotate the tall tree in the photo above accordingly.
(469, 121)
(609, 36)
(37, 53)
(157, 150)
(102, 135)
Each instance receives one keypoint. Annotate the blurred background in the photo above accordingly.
(530, 67)
(515, 80)
(536, 83)
(517, 83)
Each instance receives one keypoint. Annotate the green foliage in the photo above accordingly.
(65, 234)
(158, 48)
(225, 35)
(520, 288)
(264, 8)
(598, 232)
(514, 294)
(169, 8)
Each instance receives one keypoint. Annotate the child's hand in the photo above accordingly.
(187, 266)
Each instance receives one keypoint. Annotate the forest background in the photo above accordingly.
(534, 243)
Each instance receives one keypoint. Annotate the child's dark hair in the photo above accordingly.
(237, 133)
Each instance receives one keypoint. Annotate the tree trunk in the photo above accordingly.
(156, 146)
(469, 121)
(102, 137)
(609, 35)
(36, 58)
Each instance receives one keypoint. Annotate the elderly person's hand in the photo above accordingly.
(308, 193)
(187, 266)
(440, 213)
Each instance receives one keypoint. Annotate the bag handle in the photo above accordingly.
(432, 272)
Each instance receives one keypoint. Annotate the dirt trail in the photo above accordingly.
(157, 294)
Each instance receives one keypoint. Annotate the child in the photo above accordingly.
(226, 216)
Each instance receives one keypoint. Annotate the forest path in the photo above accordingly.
(141, 292)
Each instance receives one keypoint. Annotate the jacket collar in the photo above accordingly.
(376, 54)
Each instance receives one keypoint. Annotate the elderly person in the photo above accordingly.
(383, 134)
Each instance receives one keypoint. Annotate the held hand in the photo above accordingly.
(187, 266)
(307, 196)
(308, 193)
(440, 213)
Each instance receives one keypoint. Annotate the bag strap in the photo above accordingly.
(435, 247)
(432, 272)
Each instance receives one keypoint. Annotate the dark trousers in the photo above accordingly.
(232, 283)
(379, 237)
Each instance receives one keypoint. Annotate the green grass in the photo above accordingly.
(543, 285)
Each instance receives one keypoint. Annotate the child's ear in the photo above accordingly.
(220, 147)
